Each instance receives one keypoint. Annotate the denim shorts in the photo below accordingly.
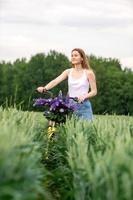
(85, 111)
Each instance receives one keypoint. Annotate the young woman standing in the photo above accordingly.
(81, 83)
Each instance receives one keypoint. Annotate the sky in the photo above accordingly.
(100, 27)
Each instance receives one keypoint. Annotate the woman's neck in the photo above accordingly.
(78, 67)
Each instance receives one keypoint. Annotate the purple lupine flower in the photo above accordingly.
(57, 103)
(40, 102)
(67, 99)
(55, 106)
(49, 100)
(60, 100)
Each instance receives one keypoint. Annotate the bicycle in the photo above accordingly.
(56, 109)
(54, 106)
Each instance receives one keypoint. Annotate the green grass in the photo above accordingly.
(100, 157)
(21, 171)
(93, 161)
(86, 161)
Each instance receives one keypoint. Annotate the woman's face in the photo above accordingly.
(76, 57)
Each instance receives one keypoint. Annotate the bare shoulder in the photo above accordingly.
(67, 71)
(90, 74)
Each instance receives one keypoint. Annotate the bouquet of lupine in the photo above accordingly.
(57, 108)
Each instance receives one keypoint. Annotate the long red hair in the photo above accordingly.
(85, 62)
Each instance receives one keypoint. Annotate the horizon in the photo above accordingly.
(68, 56)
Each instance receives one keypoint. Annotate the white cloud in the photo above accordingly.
(101, 27)
(127, 62)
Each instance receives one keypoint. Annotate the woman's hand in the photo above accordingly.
(81, 99)
(40, 89)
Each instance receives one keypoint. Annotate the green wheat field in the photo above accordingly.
(84, 161)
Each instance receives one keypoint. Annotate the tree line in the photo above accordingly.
(19, 80)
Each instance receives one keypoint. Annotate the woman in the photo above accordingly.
(81, 83)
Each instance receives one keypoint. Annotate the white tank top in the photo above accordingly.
(77, 86)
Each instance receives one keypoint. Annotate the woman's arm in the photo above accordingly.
(92, 80)
(54, 82)
(93, 86)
